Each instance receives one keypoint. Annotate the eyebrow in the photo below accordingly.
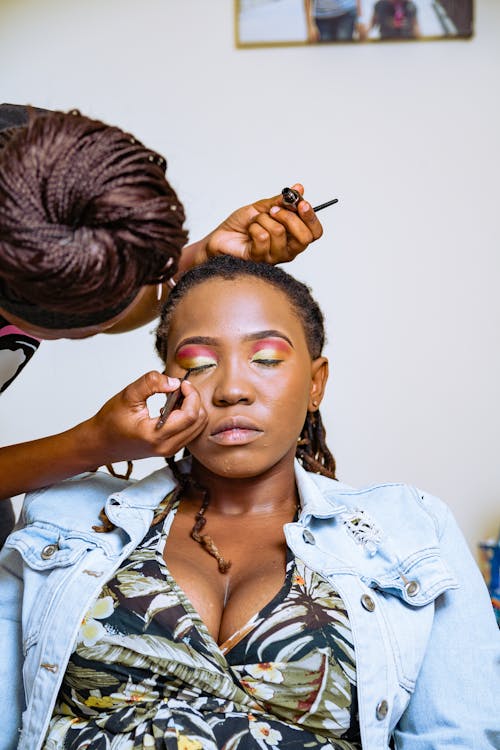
(210, 341)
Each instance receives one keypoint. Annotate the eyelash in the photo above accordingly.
(264, 362)
(268, 362)
(255, 360)
(199, 369)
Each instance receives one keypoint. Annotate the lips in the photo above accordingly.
(235, 431)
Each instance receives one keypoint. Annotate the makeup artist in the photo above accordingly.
(91, 240)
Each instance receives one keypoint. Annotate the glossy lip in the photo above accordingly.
(235, 431)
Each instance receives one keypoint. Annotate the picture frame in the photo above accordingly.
(274, 23)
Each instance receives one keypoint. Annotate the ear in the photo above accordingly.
(319, 377)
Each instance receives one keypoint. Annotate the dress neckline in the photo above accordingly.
(228, 644)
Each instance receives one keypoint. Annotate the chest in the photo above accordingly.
(256, 549)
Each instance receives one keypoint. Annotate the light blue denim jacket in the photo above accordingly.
(426, 642)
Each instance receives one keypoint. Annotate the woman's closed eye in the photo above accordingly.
(267, 360)
(195, 358)
(269, 353)
(194, 369)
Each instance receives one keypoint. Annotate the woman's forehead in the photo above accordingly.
(243, 304)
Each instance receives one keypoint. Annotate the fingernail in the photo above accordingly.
(173, 382)
(305, 205)
(274, 210)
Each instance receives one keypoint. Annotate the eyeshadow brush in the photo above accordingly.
(173, 401)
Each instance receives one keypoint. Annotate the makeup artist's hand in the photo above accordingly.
(124, 430)
(262, 231)
(121, 431)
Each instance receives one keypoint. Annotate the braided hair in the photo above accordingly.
(87, 218)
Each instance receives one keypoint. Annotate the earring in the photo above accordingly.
(159, 291)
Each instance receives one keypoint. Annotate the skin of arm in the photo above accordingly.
(121, 430)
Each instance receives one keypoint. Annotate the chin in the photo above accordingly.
(237, 464)
(231, 469)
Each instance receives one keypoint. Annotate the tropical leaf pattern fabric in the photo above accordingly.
(146, 673)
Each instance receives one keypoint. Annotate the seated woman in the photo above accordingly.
(242, 598)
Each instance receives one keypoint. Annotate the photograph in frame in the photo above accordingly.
(294, 22)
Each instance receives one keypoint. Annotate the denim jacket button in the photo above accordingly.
(48, 551)
(381, 710)
(412, 588)
(308, 537)
(367, 603)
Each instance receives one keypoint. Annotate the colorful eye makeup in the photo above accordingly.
(194, 357)
(198, 357)
(271, 350)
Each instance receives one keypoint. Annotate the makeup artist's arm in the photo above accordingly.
(121, 430)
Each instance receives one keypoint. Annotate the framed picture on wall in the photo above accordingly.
(286, 22)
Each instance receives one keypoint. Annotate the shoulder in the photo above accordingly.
(73, 501)
(390, 533)
(394, 505)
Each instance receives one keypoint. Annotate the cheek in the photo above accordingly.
(289, 405)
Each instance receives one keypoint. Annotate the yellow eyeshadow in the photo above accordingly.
(189, 363)
(267, 353)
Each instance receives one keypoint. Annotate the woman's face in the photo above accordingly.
(248, 356)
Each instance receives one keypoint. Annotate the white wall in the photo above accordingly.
(407, 271)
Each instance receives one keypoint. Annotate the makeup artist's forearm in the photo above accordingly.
(29, 466)
(192, 255)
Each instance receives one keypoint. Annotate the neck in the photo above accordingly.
(274, 491)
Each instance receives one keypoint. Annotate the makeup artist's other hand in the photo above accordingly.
(265, 231)
(124, 430)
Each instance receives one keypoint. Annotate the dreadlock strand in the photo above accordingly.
(186, 481)
(312, 450)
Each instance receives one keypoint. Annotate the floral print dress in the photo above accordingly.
(146, 673)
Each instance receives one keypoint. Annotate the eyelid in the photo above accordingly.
(266, 358)
(200, 368)
(268, 351)
(192, 357)
(275, 343)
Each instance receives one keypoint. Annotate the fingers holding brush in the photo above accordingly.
(181, 419)
(123, 429)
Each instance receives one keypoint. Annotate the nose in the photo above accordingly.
(233, 385)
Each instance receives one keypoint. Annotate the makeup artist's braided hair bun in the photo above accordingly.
(87, 217)
(312, 450)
